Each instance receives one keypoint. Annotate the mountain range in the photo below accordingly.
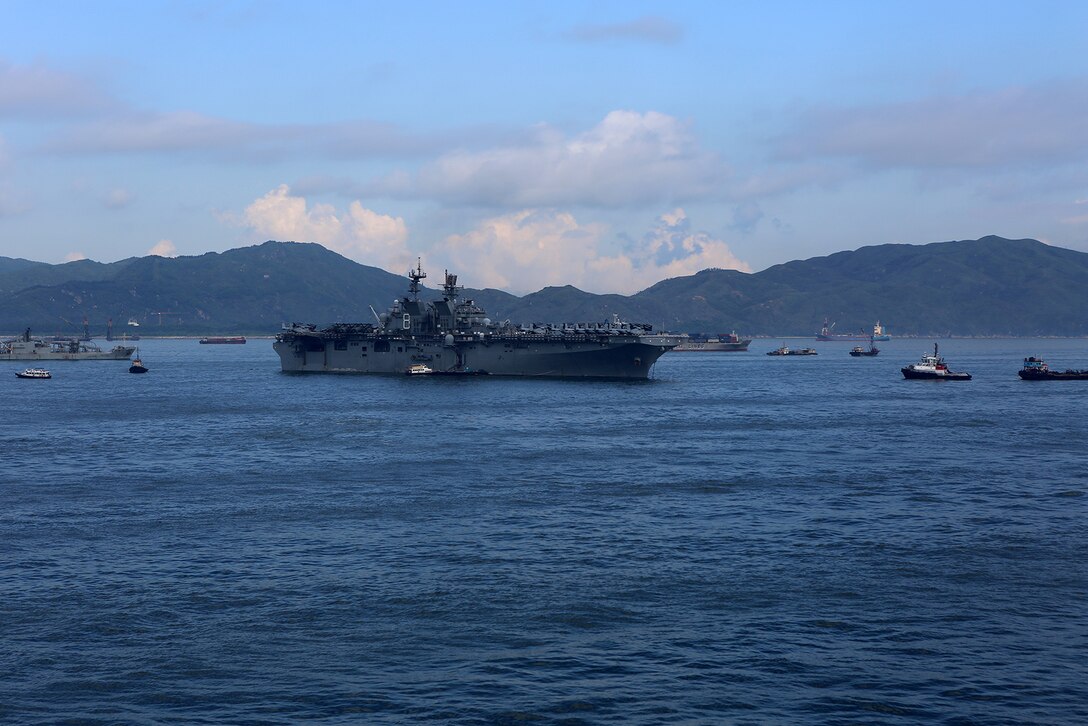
(986, 287)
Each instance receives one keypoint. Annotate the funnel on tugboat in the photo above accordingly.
(932, 368)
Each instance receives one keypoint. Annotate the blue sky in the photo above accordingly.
(605, 145)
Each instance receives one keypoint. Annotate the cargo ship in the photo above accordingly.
(29, 348)
(826, 333)
(454, 336)
(731, 343)
(1036, 369)
(234, 340)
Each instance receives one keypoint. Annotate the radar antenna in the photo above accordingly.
(450, 287)
(415, 276)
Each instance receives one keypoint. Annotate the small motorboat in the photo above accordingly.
(137, 364)
(418, 369)
(34, 373)
(932, 368)
(858, 351)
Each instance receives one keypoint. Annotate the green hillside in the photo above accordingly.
(990, 286)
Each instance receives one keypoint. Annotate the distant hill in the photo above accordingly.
(990, 286)
(245, 290)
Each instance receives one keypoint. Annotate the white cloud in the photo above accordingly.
(530, 249)
(164, 248)
(358, 233)
(628, 159)
(74, 257)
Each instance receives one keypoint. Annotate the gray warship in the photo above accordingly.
(453, 336)
(28, 348)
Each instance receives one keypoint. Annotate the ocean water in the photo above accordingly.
(744, 539)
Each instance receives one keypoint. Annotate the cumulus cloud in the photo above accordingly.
(530, 249)
(628, 159)
(358, 233)
(164, 248)
(647, 29)
(1016, 126)
(37, 91)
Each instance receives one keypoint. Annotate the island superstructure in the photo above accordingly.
(454, 336)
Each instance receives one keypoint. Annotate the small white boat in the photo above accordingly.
(34, 373)
(418, 369)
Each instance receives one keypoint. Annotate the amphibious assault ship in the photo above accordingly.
(28, 348)
(453, 336)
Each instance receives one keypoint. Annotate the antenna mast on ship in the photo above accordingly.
(450, 286)
(415, 276)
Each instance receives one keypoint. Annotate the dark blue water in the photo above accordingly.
(743, 540)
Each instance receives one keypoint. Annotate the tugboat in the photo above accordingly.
(137, 364)
(785, 350)
(34, 373)
(858, 351)
(932, 368)
(1036, 369)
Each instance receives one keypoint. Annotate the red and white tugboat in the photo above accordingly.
(933, 368)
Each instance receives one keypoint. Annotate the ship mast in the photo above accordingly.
(450, 287)
(415, 276)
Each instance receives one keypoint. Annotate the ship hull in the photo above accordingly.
(122, 353)
(1053, 375)
(915, 375)
(850, 338)
(709, 347)
(545, 359)
(223, 341)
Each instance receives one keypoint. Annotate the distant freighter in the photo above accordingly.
(27, 348)
(236, 340)
(878, 333)
(721, 344)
